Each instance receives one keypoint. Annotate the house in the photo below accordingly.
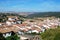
(8, 23)
(26, 37)
(46, 26)
(12, 18)
(35, 31)
(13, 22)
(30, 37)
(18, 22)
(7, 34)
(1, 24)
(7, 30)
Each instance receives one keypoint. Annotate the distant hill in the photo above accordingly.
(19, 13)
(25, 13)
(32, 14)
(10, 14)
(44, 14)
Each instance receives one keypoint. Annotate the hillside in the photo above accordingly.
(44, 14)
(51, 34)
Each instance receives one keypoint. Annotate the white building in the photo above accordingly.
(8, 23)
(7, 34)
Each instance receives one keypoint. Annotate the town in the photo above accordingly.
(25, 28)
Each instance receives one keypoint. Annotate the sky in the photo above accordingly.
(29, 5)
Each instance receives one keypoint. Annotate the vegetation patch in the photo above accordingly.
(51, 34)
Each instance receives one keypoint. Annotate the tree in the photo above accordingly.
(1, 37)
(15, 37)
